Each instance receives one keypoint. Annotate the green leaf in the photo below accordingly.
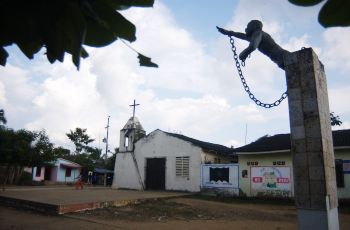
(146, 61)
(64, 26)
(105, 25)
(335, 13)
(84, 54)
(120, 26)
(67, 34)
(20, 26)
(3, 56)
(97, 35)
(113, 21)
(29, 48)
(75, 33)
(125, 4)
(305, 2)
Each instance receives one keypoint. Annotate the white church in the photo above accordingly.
(163, 160)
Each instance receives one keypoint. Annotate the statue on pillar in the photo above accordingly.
(258, 39)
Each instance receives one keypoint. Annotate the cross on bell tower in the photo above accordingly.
(131, 132)
(134, 105)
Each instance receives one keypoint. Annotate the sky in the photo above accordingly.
(196, 90)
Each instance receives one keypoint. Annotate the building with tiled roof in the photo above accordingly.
(269, 159)
(280, 142)
(163, 160)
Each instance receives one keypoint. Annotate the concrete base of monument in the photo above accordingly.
(66, 199)
(316, 219)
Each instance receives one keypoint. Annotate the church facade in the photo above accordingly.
(163, 160)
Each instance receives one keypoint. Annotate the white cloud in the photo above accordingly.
(336, 99)
(2, 94)
(194, 117)
(193, 91)
(234, 143)
(17, 91)
(337, 50)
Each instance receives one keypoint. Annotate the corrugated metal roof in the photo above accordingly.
(341, 138)
(206, 146)
(103, 170)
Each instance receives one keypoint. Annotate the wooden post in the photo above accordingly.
(315, 187)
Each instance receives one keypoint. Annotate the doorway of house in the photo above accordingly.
(47, 175)
(155, 174)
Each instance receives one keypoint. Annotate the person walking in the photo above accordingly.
(79, 182)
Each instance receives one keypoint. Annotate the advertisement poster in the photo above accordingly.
(220, 176)
(271, 181)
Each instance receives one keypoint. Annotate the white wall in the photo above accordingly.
(42, 173)
(125, 174)
(61, 175)
(159, 145)
(61, 171)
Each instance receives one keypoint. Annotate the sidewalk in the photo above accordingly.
(63, 199)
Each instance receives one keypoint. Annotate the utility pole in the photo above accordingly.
(107, 127)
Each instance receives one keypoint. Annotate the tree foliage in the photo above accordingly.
(23, 148)
(2, 117)
(332, 13)
(86, 155)
(42, 150)
(79, 138)
(65, 26)
(94, 153)
(60, 152)
(335, 120)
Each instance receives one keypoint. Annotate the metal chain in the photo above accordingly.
(245, 85)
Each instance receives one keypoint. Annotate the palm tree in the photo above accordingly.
(2, 117)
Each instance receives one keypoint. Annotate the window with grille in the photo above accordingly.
(183, 166)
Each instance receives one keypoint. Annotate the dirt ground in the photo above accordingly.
(174, 213)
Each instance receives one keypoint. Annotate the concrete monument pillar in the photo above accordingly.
(315, 187)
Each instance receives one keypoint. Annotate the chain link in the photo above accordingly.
(245, 85)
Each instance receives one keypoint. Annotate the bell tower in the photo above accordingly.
(131, 132)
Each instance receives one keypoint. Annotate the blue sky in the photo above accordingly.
(196, 90)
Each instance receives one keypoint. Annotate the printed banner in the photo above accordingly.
(271, 181)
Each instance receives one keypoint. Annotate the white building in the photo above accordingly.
(162, 160)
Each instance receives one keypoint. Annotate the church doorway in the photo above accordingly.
(155, 174)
